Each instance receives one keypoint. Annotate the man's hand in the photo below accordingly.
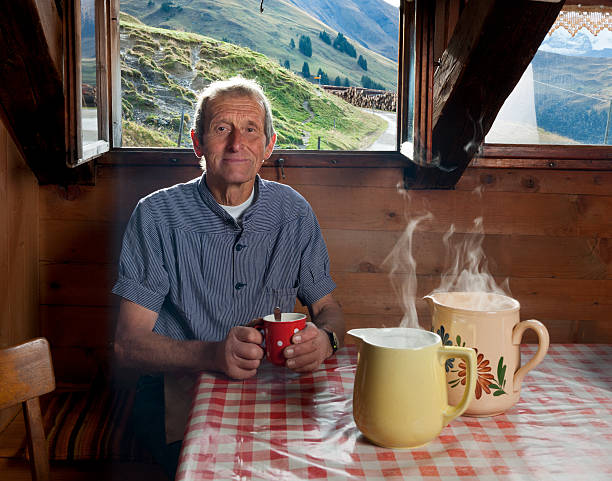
(240, 354)
(309, 349)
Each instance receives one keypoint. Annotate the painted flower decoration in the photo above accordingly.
(484, 375)
(448, 365)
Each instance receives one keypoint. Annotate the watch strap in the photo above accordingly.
(333, 340)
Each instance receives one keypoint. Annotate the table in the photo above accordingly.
(282, 426)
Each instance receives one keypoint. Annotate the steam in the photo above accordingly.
(468, 267)
(465, 269)
(401, 260)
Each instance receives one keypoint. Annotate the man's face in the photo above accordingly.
(234, 141)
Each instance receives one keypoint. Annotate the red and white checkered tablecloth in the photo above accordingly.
(281, 426)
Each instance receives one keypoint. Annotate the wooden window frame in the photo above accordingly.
(280, 157)
(79, 153)
(422, 28)
(508, 156)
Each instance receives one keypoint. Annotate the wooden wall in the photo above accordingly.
(18, 248)
(549, 232)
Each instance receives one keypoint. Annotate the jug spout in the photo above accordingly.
(360, 334)
(430, 302)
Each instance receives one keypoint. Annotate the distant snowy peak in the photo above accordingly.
(583, 44)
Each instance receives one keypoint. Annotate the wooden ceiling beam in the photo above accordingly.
(492, 45)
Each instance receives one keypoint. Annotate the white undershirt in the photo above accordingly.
(236, 211)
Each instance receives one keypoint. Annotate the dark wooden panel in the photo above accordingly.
(78, 326)
(77, 284)
(80, 241)
(78, 365)
(540, 181)
(507, 256)
(358, 208)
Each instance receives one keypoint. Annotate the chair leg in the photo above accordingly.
(37, 442)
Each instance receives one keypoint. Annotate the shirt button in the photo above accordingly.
(239, 285)
(239, 247)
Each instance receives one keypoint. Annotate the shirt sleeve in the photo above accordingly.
(142, 276)
(315, 279)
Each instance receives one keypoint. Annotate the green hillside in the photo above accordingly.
(270, 33)
(572, 95)
(162, 71)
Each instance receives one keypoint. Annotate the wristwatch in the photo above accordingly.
(333, 340)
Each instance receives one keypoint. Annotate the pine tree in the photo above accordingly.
(287, 65)
(292, 44)
(338, 81)
(306, 70)
(363, 63)
(305, 45)
(324, 78)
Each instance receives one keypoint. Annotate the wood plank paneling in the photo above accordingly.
(537, 181)
(70, 326)
(380, 209)
(359, 292)
(63, 284)
(507, 255)
(547, 232)
(80, 241)
(18, 250)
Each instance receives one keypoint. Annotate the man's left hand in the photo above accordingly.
(309, 349)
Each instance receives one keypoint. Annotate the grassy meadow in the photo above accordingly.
(163, 71)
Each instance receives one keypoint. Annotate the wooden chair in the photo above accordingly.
(26, 373)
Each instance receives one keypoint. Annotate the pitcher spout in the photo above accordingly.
(430, 302)
(360, 334)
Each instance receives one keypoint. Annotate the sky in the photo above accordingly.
(395, 3)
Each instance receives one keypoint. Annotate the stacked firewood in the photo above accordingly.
(367, 98)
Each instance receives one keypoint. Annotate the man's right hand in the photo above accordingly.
(240, 354)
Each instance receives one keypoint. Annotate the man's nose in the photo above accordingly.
(235, 140)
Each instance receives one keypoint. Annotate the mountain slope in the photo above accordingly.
(270, 33)
(573, 95)
(162, 71)
(373, 23)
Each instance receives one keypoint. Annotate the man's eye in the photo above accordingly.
(250, 129)
(221, 129)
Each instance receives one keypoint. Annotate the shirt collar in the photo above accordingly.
(214, 206)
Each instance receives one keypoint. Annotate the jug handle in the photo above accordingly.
(469, 356)
(543, 342)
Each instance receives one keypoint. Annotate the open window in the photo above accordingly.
(155, 62)
(87, 79)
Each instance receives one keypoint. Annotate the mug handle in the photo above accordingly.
(469, 356)
(543, 342)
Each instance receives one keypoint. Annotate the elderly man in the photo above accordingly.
(201, 260)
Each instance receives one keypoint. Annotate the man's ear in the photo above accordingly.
(197, 147)
(269, 147)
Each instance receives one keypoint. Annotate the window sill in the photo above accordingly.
(290, 158)
(559, 157)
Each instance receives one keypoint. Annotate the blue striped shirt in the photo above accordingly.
(187, 259)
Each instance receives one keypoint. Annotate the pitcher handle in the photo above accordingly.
(469, 356)
(543, 342)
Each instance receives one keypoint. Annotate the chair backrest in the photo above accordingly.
(26, 372)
